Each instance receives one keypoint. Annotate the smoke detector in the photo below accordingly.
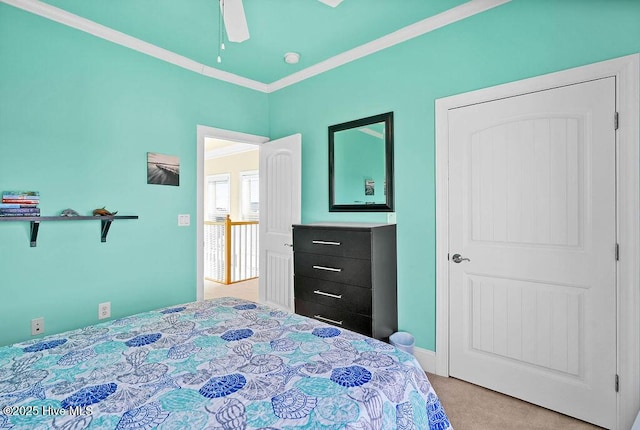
(291, 57)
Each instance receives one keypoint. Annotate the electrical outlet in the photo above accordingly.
(104, 310)
(37, 326)
(391, 218)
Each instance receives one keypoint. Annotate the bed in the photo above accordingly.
(219, 364)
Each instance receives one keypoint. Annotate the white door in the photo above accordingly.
(532, 207)
(280, 188)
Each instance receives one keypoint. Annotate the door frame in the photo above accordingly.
(203, 132)
(627, 72)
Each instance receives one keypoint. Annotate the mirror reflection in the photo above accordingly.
(361, 165)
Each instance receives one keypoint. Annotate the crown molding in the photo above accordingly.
(419, 28)
(74, 21)
(332, 3)
(371, 132)
(225, 151)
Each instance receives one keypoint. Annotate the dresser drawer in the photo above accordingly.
(341, 243)
(335, 269)
(346, 297)
(334, 316)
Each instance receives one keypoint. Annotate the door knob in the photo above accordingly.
(457, 258)
(288, 244)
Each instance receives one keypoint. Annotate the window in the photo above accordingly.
(250, 195)
(218, 197)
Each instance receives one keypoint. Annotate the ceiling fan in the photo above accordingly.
(235, 21)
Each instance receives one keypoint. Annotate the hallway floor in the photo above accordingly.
(247, 290)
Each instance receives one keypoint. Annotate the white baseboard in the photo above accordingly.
(426, 358)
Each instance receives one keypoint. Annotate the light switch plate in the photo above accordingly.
(184, 220)
(391, 217)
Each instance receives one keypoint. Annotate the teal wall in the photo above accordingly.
(518, 40)
(77, 116)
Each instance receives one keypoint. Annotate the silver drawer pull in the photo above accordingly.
(329, 269)
(318, 317)
(322, 293)
(323, 242)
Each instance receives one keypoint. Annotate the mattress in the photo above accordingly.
(217, 364)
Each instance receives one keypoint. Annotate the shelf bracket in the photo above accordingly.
(106, 224)
(35, 225)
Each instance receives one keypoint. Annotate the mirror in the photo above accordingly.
(361, 165)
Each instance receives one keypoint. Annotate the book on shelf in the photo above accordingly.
(3, 215)
(7, 197)
(16, 205)
(20, 197)
(22, 194)
(10, 211)
(21, 201)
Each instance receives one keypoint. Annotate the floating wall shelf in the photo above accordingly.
(35, 221)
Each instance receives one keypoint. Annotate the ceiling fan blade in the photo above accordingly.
(235, 21)
(332, 3)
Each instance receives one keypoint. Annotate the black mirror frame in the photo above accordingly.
(387, 118)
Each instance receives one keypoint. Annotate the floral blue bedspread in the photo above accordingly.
(220, 364)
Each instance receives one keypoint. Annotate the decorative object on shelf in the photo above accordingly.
(20, 203)
(103, 212)
(163, 169)
(69, 212)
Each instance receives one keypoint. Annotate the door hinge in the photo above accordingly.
(616, 121)
(617, 383)
(617, 252)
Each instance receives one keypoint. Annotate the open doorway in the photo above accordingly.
(228, 214)
(231, 219)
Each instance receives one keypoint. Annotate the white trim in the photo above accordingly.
(426, 358)
(224, 151)
(370, 132)
(233, 136)
(419, 28)
(75, 21)
(203, 131)
(627, 73)
(332, 3)
(248, 172)
(628, 98)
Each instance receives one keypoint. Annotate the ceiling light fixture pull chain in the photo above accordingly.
(220, 31)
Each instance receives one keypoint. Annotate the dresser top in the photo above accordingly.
(349, 225)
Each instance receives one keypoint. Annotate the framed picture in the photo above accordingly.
(369, 187)
(163, 169)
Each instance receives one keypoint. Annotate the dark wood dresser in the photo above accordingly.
(345, 275)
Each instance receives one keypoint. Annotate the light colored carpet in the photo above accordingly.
(247, 290)
(471, 407)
